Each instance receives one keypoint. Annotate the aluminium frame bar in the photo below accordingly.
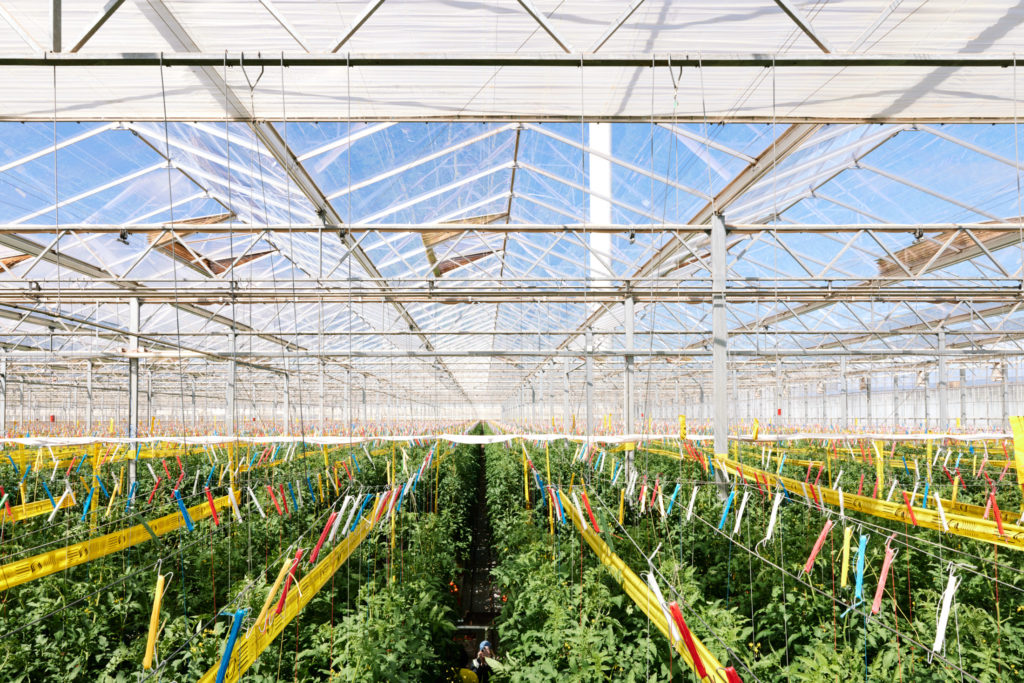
(534, 60)
(614, 228)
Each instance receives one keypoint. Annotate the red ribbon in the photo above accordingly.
(213, 508)
(698, 663)
(288, 581)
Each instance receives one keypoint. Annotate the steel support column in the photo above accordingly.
(287, 404)
(943, 384)
(3, 395)
(720, 341)
(230, 387)
(133, 382)
(566, 415)
(323, 373)
(1005, 386)
(628, 409)
(88, 397)
(589, 381)
(963, 397)
(867, 402)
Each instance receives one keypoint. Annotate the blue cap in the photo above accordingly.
(485, 643)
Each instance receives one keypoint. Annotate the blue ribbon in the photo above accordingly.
(88, 502)
(236, 626)
(48, 494)
(725, 511)
(672, 500)
(359, 515)
(184, 511)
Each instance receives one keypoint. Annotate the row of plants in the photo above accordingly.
(754, 609)
(402, 622)
(89, 622)
(564, 617)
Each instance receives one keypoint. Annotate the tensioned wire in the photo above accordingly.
(779, 567)
(903, 537)
(682, 600)
(884, 532)
(199, 539)
(808, 584)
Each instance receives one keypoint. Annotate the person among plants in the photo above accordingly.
(479, 665)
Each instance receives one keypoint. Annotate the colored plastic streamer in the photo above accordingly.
(257, 639)
(725, 510)
(890, 553)
(845, 573)
(236, 625)
(184, 511)
(154, 622)
(943, 615)
(817, 546)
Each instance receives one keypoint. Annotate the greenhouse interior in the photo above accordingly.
(633, 292)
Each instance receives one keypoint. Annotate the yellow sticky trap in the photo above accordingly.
(682, 427)
(622, 505)
(956, 487)
(847, 535)
(757, 427)
(154, 623)
(320, 486)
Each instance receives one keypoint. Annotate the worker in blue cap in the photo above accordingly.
(479, 665)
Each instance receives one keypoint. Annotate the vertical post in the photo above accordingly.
(323, 372)
(287, 403)
(720, 340)
(600, 182)
(943, 384)
(3, 395)
(963, 398)
(924, 395)
(133, 379)
(924, 392)
(88, 397)
(364, 401)
(194, 416)
(895, 401)
(846, 392)
(867, 402)
(628, 411)
(55, 25)
(567, 414)
(149, 400)
(1005, 372)
(778, 391)
(600, 139)
(232, 379)
(589, 380)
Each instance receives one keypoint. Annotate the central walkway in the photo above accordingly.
(480, 599)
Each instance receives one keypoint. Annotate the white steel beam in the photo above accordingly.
(545, 24)
(358, 22)
(794, 13)
(616, 25)
(97, 23)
